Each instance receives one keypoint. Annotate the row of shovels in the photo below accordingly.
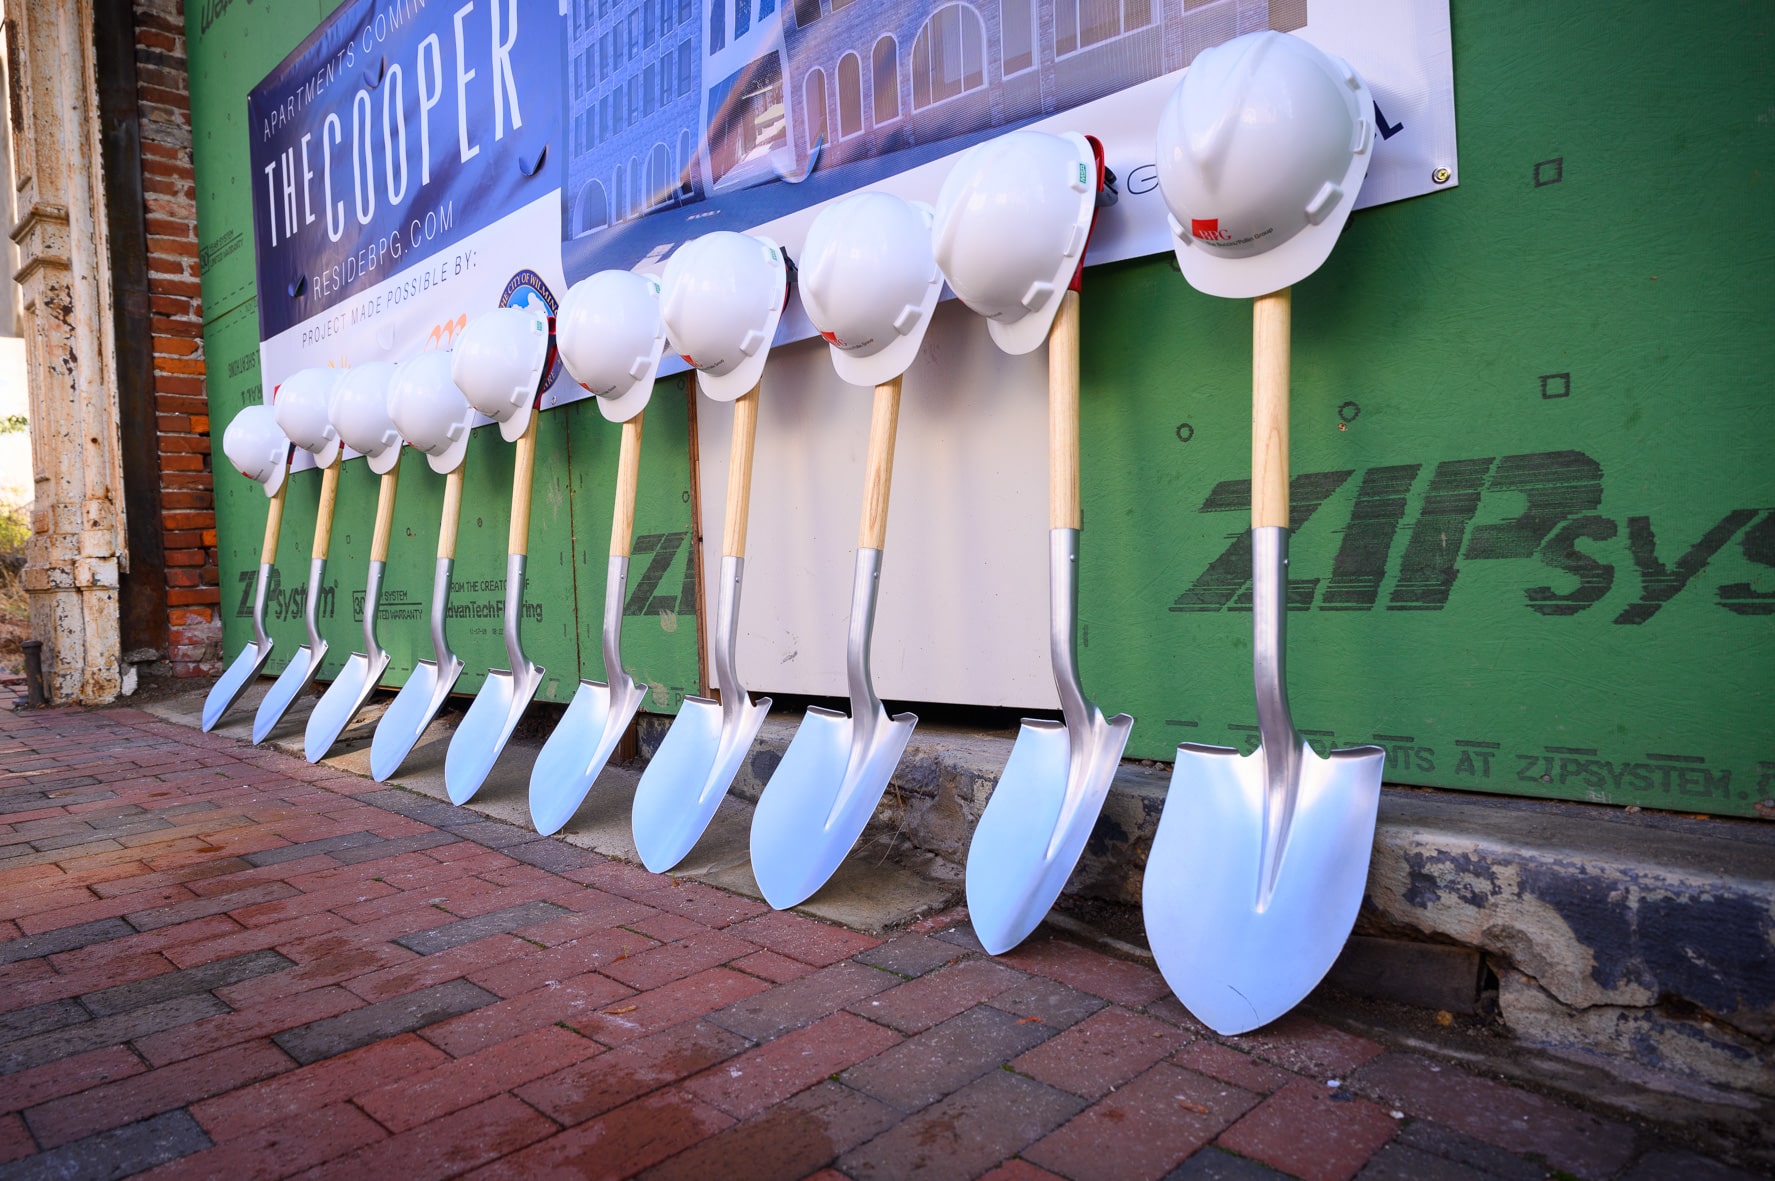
(1260, 860)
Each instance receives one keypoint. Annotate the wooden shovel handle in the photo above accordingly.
(1269, 409)
(628, 478)
(522, 470)
(739, 474)
(274, 521)
(883, 423)
(1063, 416)
(452, 517)
(391, 480)
(323, 517)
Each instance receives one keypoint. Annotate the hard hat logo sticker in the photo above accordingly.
(1207, 229)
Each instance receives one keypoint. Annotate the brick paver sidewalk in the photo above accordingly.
(220, 961)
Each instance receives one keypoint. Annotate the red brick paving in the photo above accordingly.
(649, 1027)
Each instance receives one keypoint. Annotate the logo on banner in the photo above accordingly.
(527, 290)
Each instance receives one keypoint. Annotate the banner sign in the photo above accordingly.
(410, 159)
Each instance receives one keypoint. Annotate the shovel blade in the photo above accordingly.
(289, 685)
(409, 714)
(340, 703)
(689, 776)
(233, 682)
(819, 800)
(1232, 964)
(1029, 838)
(485, 728)
(576, 751)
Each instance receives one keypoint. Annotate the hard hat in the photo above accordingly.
(429, 411)
(869, 283)
(255, 445)
(1012, 220)
(300, 405)
(721, 298)
(498, 363)
(611, 336)
(359, 410)
(1262, 150)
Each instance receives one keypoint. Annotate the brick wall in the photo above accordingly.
(169, 191)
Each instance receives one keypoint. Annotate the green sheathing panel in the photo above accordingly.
(659, 639)
(1534, 510)
(230, 46)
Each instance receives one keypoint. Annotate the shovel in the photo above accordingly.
(1260, 861)
(299, 672)
(1047, 801)
(357, 680)
(700, 754)
(506, 693)
(423, 695)
(234, 681)
(832, 776)
(600, 712)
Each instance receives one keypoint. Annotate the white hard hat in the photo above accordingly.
(721, 298)
(429, 411)
(1262, 149)
(1012, 221)
(255, 445)
(611, 336)
(869, 283)
(498, 363)
(359, 410)
(301, 404)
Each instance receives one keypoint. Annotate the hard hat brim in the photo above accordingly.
(327, 454)
(383, 461)
(279, 471)
(624, 406)
(451, 457)
(511, 429)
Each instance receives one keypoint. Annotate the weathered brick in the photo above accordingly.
(620, 1143)
(571, 1001)
(65, 1076)
(1312, 1131)
(350, 840)
(1576, 1141)
(923, 1069)
(91, 1111)
(697, 952)
(485, 1132)
(1216, 1164)
(919, 1004)
(545, 967)
(1100, 1053)
(745, 1085)
(1047, 1001)
(592, 1087)
(1090, 971)
(1305, 1046)
(803, 939)
(682, 1000)
(1153, 1123)
(264, 1020)
(791, 1139)
(462, 1082)
(204, 978)
(402, 1014)
(106, 1031)
(778, 969)
(910, 955)
(1229, 1066)
(511, 918)
(312, 1088)
(1451, 1147)
(706, 905)
(305, 1139)
(122, 1151)
(977, 1127)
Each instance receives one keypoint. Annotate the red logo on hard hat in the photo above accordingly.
(832, 338)
(1207, 229)
(689, 360)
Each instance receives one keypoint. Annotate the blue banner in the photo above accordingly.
(396, 129)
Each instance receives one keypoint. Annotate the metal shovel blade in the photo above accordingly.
(824, 792)
(587, 734)
(1046, 803)
(494, 713)
(238, 675)
(298, 674)
(423, 695)
(696, 761)
(355, 682)
(1260, 861)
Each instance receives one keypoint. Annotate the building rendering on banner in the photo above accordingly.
(671, 100)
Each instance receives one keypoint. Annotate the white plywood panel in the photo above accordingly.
(963, 614)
